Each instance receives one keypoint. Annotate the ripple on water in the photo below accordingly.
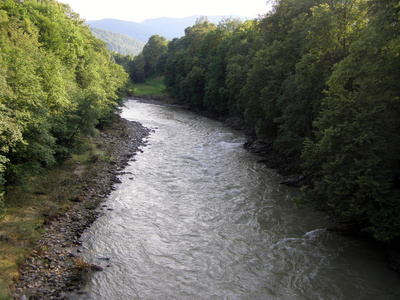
(203, 220)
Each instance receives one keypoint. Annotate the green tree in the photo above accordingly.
(194, 86)
(53, 74)
(216, 48)
(326, 37)
(281, 45)
(24, 100)
(242, 45)
(155, 47)
(183, 55)
(177, 67)
(354, 158)
(195, 34)
(136, 68)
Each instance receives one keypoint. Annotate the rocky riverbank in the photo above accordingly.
(54, 268)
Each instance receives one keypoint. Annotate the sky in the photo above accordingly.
(139, 10)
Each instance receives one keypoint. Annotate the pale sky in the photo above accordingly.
(139, 10)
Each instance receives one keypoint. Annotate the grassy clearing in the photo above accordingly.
(30, 205)
(152, 86)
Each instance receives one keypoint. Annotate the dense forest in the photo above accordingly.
(318, 79)
(57, 83)
(117, 42)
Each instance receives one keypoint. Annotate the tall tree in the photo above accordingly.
(184, 55)
(155, 48)
(327, 35)
(216, 46)
(282, 34)
(53, 74)
(354, 158)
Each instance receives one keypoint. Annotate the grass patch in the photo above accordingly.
(40, 198)
(152, 86)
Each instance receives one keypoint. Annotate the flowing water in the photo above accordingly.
(196, 217)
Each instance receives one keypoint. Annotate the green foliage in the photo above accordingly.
(155, 47)
(149, 62)
(320, 80)
(331, 29)
(194, 85)
(196, 65)
(56, 82)
(216, 93)
(184, 71)
(177, 68)
(354, 157)
(136, 69)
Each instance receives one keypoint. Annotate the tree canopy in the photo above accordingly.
(320, 81)
(57, 82)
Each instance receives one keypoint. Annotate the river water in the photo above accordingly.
(196, 217)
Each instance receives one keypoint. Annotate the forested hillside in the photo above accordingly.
(57, 83)
(319, 80)
(117, 42)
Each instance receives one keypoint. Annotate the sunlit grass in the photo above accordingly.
(152, 86)
(39, 198)
(27, 207)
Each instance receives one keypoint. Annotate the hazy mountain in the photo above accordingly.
(118, 42)
(167, 27)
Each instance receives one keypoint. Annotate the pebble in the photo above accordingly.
(51, 274)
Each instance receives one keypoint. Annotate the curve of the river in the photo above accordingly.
(196, 217)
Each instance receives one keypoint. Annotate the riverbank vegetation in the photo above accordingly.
(41, 198)
(319, 80)
(153, 85)
(58, 85)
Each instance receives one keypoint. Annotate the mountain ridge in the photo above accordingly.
(168, 27)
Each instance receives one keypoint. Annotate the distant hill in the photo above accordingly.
(167, 27)
(118, 42)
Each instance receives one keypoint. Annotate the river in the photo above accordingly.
(197, 217)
